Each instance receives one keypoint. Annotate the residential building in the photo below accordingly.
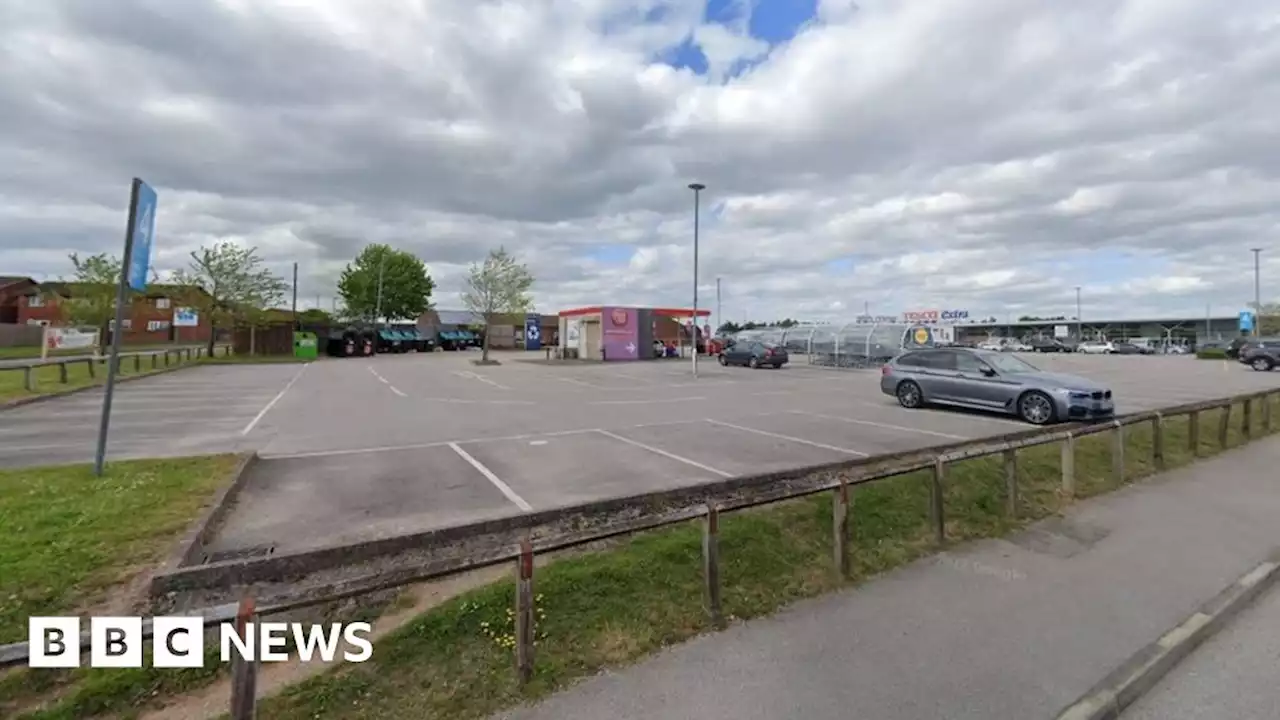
(12, 289)
(149, 318)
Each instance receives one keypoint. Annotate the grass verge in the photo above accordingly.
(70, 543)
(612, 607)
(80, 374)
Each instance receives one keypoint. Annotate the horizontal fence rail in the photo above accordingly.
(449, 551)
(29, 368)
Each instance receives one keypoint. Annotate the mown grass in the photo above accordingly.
(612, 607)
(68, 540)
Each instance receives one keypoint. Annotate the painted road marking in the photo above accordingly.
(386, 382)
(646, 402)
(497, 482)
(802, 441)
(886, 426)
(274, 400)
(664, 453)
(481, 378)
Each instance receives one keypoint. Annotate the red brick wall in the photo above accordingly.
(142, 312)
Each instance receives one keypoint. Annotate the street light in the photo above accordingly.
(377, 309)
(697, 189)
(1079, 324)
(1257, 290)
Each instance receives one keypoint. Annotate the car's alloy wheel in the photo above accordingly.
(1036, 408)
(724, 360)
(753, 363)
(909, 395)
(1262, 364)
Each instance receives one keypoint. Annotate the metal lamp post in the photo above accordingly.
(377, 309)
(1079, 322)
(697, 189)
(1257, 290)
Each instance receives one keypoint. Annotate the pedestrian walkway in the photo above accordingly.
(1013, 628)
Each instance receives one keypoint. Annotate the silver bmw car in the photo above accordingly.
(999, 382)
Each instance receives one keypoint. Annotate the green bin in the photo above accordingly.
(305, 345)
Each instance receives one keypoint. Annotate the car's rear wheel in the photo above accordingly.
(723, 360)
(909, 395)
(1262, 364)
(1036, 408)
(753, 363)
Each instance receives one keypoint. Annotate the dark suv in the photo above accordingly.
(1262, 356)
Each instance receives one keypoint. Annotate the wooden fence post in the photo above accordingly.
(1069, 466)
(93, 367)
(1266, 412)
(1193, 432)
(1117, 451)
(1224, 426)
(524, 612)
(1157, 441)
(29, 378)
(153, 361)
(937, 513)
(1246, 421)
(840, 528)
(711, 565)
(62, 373)
(244, 673)
(166, 358)
(1011, 482)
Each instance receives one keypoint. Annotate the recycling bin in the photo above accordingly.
(305, 345)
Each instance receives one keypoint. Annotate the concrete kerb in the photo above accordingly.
(1143, 670)
(190, 549)
(19, 402)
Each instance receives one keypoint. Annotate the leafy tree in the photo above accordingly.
(498, 286)
(235, 284)
(92, 301)
(729, 327)
(406, 286)
(1268, 318)
(315, 316)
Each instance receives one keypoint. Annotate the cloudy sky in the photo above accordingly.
(988, 155)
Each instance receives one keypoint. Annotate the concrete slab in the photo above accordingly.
(302, 503)
(568, 469)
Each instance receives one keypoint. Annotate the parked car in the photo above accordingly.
(1236, 346)
(997, 382)
(991, 345)
(1048, 345)
(1263, 357)
(1128, 348)
(1016, 346)
(1096, 347)
(754, 354)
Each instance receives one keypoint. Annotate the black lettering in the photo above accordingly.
(115, 642)
(54, 638)
(168, 642)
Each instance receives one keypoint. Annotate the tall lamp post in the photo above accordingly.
(697, 189)
(377, 308)
(719, 319)
(1257, 290)
(1079, 322)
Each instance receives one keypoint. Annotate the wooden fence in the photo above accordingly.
(521, 554)
(30, 369)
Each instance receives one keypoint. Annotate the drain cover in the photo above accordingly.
(239, 554)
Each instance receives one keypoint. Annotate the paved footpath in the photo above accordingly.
(1016, 628)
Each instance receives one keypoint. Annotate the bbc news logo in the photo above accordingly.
(178, 642)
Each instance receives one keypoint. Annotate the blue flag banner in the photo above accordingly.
(144, 227)
(1246, 321)
(533, 332)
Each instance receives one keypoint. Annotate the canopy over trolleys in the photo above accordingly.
(851, 345)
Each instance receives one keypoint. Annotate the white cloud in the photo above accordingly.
(986, 155)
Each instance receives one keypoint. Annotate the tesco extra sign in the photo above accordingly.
(924, 317)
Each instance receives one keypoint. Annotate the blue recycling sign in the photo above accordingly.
(1246, 320)
(533, 332)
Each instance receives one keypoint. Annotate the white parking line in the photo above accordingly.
(461, 401)
(423, 446)
(497, 482)
(664, 453)
(646, 402)
(274, 400)
(802, 441)
(386, 382)
(576, 381)
(475, 376)
(886, 426)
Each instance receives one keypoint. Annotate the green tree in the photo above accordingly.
(1268, 319)
(235, 281)
(406, 285)
(498, 286)
(92, 297)
(728, 328)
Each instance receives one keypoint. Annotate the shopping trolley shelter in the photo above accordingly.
(355, 448)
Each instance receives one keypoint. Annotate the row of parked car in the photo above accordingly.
(1088, 347)
(354, 341)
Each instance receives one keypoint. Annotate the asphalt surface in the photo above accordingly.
(360, 448)
(193, 411)
(1233, 675)
(1015, 628)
